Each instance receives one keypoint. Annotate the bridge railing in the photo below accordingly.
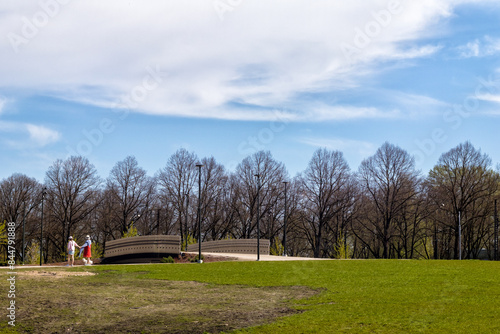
(148, 244)
(240, 246)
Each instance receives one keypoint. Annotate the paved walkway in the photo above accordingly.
(229, 256)
(253, 257)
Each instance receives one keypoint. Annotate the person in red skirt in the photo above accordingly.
(87, 253)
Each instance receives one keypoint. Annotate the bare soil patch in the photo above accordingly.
(60, 301)
(54, 274)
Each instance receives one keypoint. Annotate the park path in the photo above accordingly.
(227, 256)
(253, 257)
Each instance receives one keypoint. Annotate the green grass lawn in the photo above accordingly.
(358, 296)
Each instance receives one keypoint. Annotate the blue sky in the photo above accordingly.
(228, 78)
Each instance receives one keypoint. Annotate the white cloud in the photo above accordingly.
(417, 52)
(263, 54)
(416, 106)
(489, 97)
(42, 135)
(471, 49)
(25, 135)
(342, 113)
(2, 104)
(487, 46)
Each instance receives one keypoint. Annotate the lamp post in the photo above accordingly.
(158, 221)
(435, 240)
(186, 220)
(199, 212)
(284, 224)
(44, 191)
(258, 216)
(495, 240)
(459, 236)
(24, 223)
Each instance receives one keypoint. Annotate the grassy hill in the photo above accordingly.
(346, 296)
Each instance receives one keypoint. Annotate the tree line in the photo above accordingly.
(385, 209)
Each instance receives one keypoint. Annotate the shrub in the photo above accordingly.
(97, 251)
(3, 233)
(196, 258)
(131, 231)
(342, 248)
(169, 259)
(188, 241)
(33, 253)
(277, 247)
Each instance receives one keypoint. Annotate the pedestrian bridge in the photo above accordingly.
(238, 246)
(141, 249)
(153, 248)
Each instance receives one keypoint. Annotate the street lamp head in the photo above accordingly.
(257, 175)
(199, 165)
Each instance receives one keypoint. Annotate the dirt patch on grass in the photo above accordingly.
(54, 274)
(73, 302)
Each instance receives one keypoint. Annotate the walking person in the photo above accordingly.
(71, 251)
(86, 249)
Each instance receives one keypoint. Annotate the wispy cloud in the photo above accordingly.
(212, 64)
(2, 104)
(323, 112)
(492, 109)
(417, 52)
(487, 46)
(415, 105)
(489, 98)
(26, 136)
(42, 135)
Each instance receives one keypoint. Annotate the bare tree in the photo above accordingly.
(72, 187)
(109, 227)
(214, 206)
(388, 182)
(324, 188)
(132, 190)
(297, 243)
(245, 186)
(462, 186)
(177, 179)
(411, 229)
(17, 196)
(18, 202)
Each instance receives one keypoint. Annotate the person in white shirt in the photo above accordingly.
(71, 251)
